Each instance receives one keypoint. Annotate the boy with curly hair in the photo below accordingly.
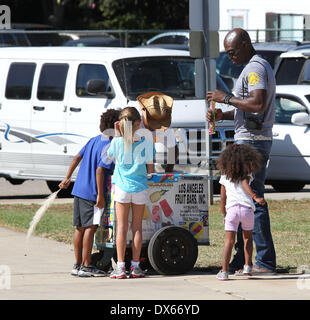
(89, 192)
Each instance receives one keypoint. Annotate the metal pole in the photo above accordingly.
(204, 16)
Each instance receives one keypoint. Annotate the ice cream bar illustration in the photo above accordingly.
(155, 214)
(146, 213)
(155, 196)
(194, 228)
(166, 208)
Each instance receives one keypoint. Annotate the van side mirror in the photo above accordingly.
(300, 118)
(96, 87)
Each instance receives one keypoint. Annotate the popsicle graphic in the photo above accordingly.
(155, 196)
(155, 214)
(194, 228)
(146, 216)
(166, 209)
(146, 213)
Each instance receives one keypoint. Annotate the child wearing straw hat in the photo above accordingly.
(156, 109)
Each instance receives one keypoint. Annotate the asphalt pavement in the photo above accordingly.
(40, 270)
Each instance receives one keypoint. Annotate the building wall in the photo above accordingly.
(255, 13)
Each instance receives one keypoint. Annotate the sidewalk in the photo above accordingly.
(41, 271)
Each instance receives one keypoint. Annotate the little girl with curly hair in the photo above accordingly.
(237, 164)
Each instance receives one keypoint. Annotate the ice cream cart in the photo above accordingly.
(175, 222)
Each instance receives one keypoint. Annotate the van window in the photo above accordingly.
(285, 107)
(19, 81)
(52, 81)
(289, 70)
(88, 72)
(174, 76)
(306, 73)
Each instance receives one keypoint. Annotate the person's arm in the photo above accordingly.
(150, 168)
(223, 201)
(256, 102)
(100, 191)
(246, 187)
(64, 184)
(173, 154)
(220, 115)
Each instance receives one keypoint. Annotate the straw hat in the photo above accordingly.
(156, 110)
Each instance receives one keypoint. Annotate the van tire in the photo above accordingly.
(288, 186)
(172, 250)
(64, 193)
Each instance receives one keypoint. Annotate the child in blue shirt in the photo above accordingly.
(89, 192)
(133, 158)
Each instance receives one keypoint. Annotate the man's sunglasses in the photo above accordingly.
(230, 53)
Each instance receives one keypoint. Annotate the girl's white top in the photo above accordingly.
(235, 193)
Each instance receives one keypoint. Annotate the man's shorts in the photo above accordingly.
(84, 213)
(126, 197)
(239, 214)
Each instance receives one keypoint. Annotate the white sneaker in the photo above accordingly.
(118, 273)
(136, 272)
(223, 276)
(75, 269)
(247, 270)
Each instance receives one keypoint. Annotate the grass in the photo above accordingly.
(56, 224)
(290, 226)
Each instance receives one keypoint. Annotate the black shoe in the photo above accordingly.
(90, 271)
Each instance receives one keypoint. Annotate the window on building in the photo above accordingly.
(286, 27)
(238, 18)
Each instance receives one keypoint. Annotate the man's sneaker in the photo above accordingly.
(136, 272)
(259, 271)
(222, 275)
(118, 273)
(75, 269)
(247, 270)
(90, 271)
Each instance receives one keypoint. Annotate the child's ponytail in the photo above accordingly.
(127, 119)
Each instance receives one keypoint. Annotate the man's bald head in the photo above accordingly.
(238, 46)
(237, 36)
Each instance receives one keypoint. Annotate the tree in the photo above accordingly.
(141, 14)
(102, 14)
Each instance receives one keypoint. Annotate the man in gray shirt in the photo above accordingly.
(253, 118)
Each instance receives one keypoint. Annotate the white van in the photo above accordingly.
(47, 115)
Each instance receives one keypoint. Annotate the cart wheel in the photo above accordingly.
(144, 260)
(172, 250)
(102, 259)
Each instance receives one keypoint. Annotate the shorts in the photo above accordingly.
(239, 214)
(85, 213)
(126, 197)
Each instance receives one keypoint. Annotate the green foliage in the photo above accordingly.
(103, 14)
